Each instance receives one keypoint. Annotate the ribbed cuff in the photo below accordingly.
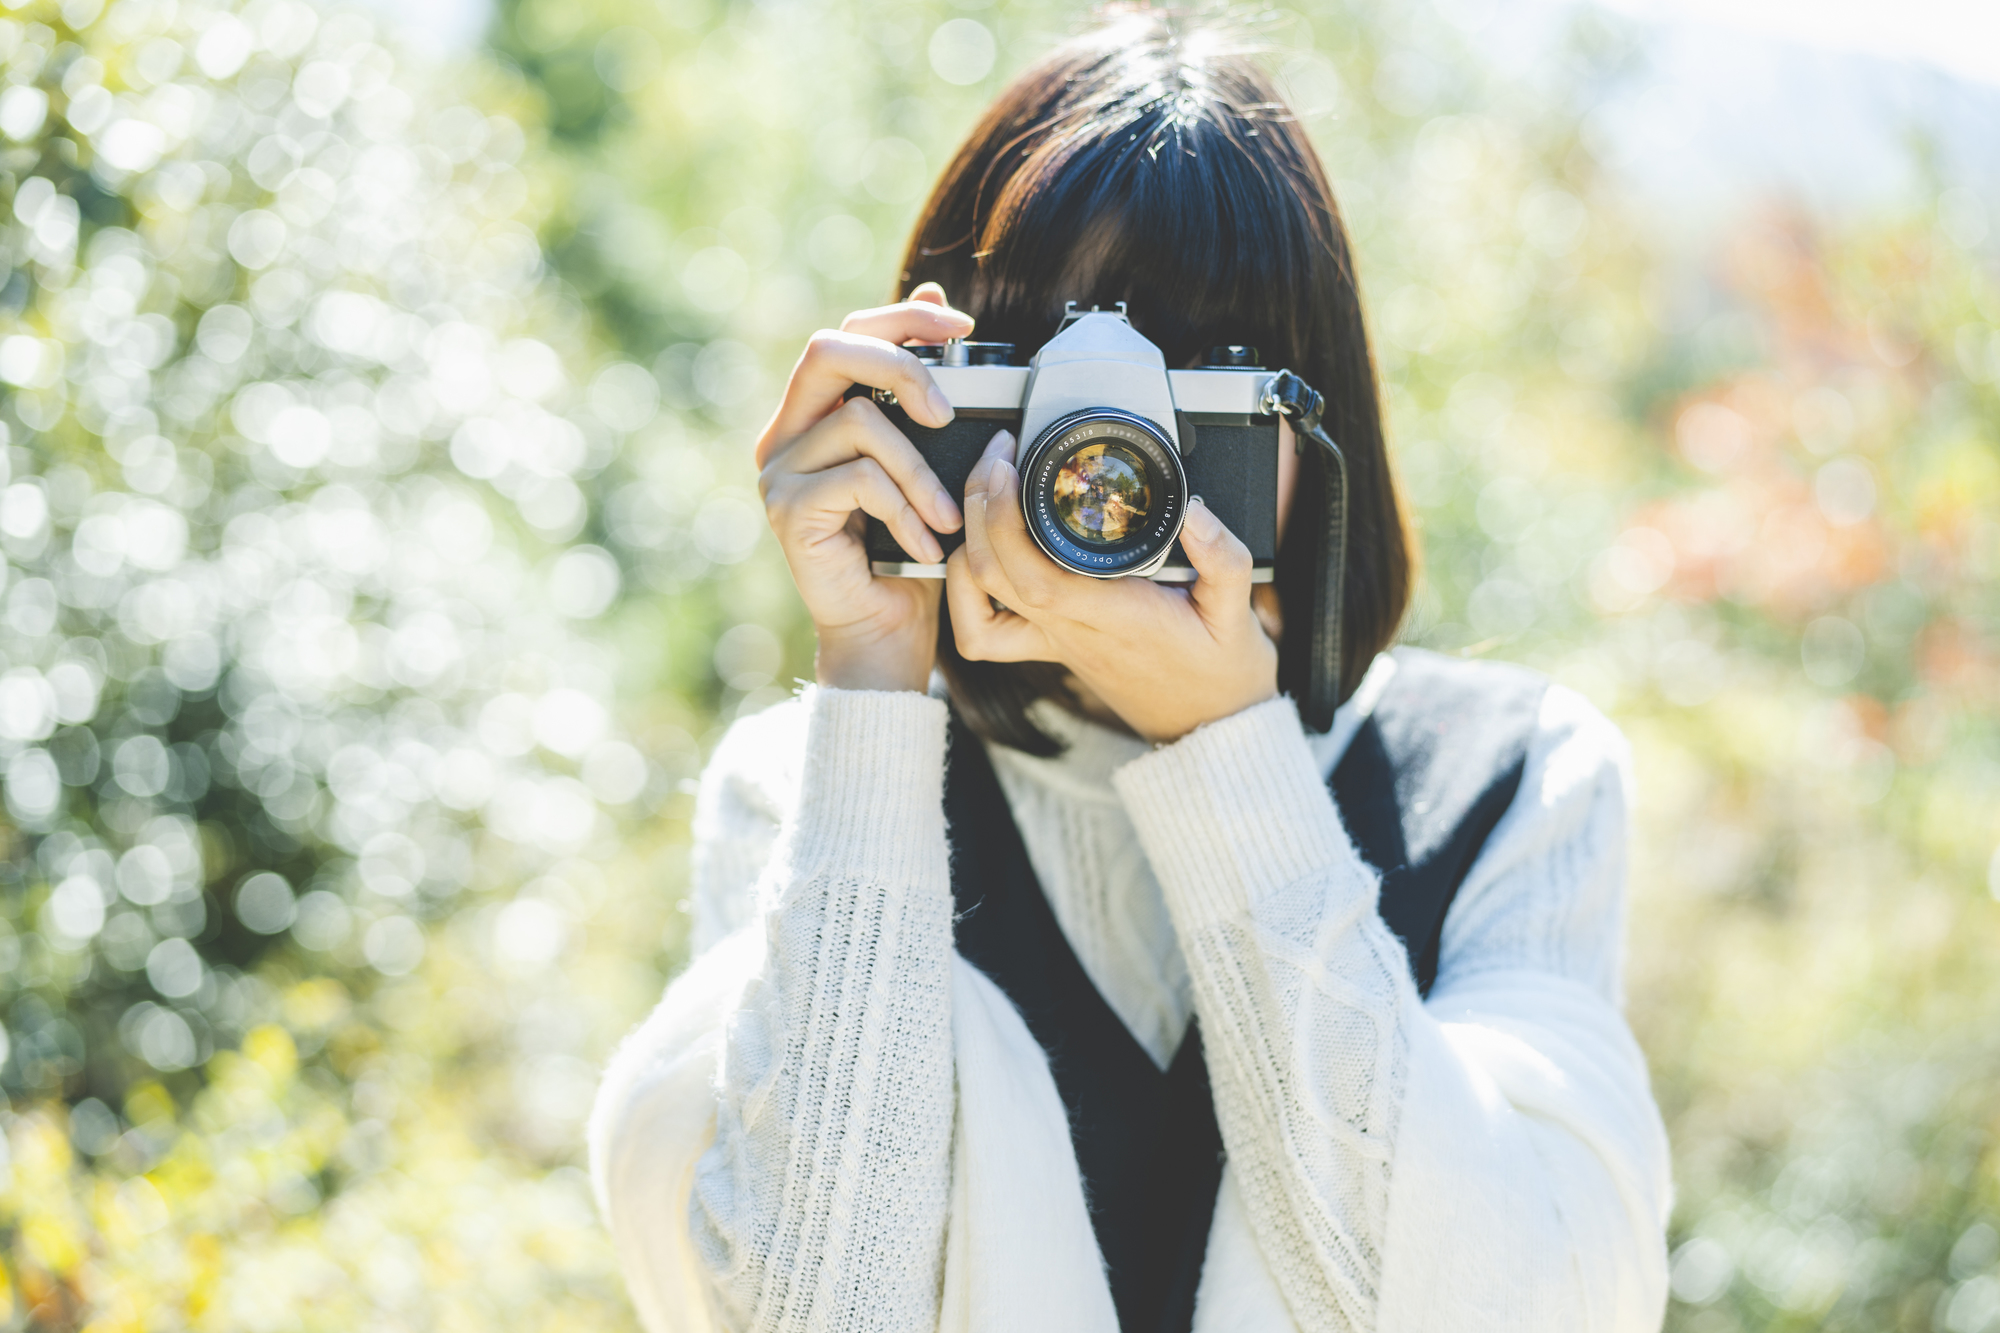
(871, 792)
(1233, 812)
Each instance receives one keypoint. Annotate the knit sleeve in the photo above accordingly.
(749, 786)
(821, 1203)
(1512, 1202)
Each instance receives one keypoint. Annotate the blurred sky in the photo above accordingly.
(440, 26)
(1961, 36)
(1817, 100)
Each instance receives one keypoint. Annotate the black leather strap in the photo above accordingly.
(1312, 570)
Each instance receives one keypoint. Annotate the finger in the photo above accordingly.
(984, 631)
(859, 430)
(810, 508)
(833, 361)
(1222, 564)
(932, 293)
(982, 566)
(1269, 610)
(1036, 580)
(920, 319)
(1002, 446)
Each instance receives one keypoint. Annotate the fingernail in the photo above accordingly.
(940, 405)
(947, 507)
(1202, 522)
(1000, 446)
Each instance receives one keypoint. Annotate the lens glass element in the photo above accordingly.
(1103, 491)
(1101, 494)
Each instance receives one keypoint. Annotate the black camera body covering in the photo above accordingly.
(1113, 445)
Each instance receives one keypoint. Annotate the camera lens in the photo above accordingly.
(1104, 492)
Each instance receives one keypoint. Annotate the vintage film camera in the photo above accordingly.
(1113, 445)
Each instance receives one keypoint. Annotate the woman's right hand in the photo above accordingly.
(827, 463)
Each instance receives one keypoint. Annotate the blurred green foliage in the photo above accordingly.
(383, 554)
(310, 778)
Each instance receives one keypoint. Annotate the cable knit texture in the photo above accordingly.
(822, 1203)
(1302, 992)
(1210, 876)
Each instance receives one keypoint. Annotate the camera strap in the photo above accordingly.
(1309, 663)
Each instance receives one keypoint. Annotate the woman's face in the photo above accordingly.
(1264, 597)
(1288, 475)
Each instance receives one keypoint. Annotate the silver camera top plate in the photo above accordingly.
(1097, 360)
(1232, 392)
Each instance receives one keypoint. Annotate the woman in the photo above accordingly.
(1119, 1019)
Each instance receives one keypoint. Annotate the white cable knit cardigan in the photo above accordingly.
(832, 1122)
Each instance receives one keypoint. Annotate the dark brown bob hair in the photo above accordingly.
(1152, 161)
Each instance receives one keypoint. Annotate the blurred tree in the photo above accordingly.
(297, 448)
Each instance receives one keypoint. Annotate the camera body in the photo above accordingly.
(1113, 445)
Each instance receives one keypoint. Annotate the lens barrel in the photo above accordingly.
(1104, 492)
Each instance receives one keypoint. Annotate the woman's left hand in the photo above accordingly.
(1165, 659)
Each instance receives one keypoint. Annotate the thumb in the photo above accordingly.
(1221, 563)
(930, 293)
